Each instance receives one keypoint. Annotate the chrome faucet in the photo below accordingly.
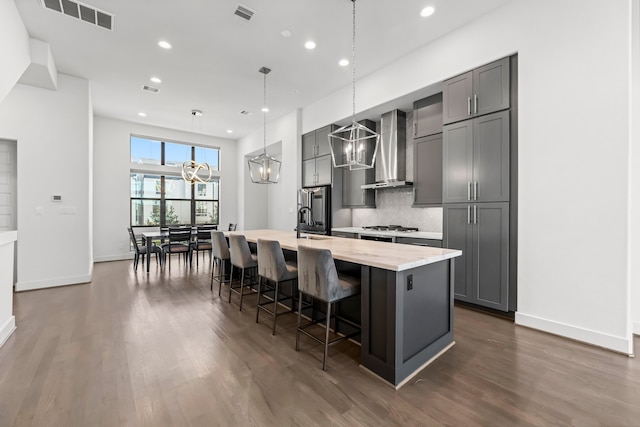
(302, 209)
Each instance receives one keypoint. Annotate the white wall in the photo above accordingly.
(634, 166)
(54, 138)
(7, 319)
(112, 163)
(14, 47)
(268, 206)
(573, 142)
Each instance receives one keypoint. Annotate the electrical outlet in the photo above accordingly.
(410, 282)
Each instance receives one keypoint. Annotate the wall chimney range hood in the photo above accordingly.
(391, 156)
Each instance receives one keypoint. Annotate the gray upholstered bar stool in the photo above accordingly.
(221, 255)
(242, 258)
(318, 278)
(272, 267)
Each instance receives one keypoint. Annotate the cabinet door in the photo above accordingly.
(308, 145)
(352, 193)
(309, 173)
(456, 102)
(324, 167)
(427, 170)
(457, 162)
(427, 116)
(491, 158)
(322, 141)
(491, 87)
(457, 234)
(491, 255)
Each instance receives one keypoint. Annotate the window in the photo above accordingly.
(159, 195)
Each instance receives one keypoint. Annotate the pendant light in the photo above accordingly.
(354, 145)
(264, 169)
(193, 172)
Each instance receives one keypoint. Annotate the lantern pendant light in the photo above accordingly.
(354, 145)
(264, 169)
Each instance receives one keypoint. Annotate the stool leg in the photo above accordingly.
(259, 294)
(221, 270)
(230, 284)
(213, 269)
(326, 338)
(241, 288)
(299, 317)
(275, 309)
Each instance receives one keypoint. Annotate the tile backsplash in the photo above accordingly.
(393, 206)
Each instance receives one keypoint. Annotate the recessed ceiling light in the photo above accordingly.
(310, 45)
(164, 44)
(265, 109)
(155, 79)
(285, 33)
(141, 114)
(229, 131)
(297, 91)
(343, 62)
(427, 11)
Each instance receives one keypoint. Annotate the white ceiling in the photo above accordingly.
(214, 63)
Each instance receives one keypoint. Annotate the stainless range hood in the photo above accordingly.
(391, 156)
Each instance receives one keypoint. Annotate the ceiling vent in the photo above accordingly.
(150, 89)
(81, 11)
(244, 12)
(245, 112)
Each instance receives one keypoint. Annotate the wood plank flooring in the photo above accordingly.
(132, 349)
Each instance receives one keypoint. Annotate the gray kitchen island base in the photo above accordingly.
(407, 319)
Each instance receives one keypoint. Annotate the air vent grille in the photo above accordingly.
(81, 11)
(245, 112)
(150, 89)
(244, 12)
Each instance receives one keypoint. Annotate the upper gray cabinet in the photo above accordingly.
(478, 92)
(427, 116)
(475, 160)
(427, 170)
(317, 165)
(353, 196)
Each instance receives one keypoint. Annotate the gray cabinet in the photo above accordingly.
(427, 171)
(353, 196)
(481, 231)
(427, 116)
(344, 234)
(317, 165)
(475, 160)
(419, 242)
(477, 92)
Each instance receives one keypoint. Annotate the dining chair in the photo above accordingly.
(141, 250)
(202, 241)
(179, 241)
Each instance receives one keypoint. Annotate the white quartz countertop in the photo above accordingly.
(8, 237)
(412, 234)
(388, 256)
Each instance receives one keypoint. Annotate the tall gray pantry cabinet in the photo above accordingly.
(476, 186)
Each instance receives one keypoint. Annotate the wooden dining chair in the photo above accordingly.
(179, 242)
(141, 250)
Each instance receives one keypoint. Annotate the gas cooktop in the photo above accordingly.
(389, 228)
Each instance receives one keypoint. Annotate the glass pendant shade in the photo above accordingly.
(264, 169)
(354, 146)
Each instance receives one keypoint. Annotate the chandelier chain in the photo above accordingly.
(264, 115)
(353, 62)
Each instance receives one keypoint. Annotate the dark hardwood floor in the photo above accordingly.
(132, 349)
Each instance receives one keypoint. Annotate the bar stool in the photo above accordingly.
(221, 255)
(273, 267)
(242, 258)
(318, 278)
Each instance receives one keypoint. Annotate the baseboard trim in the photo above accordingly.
(610, 342)
(118, 257)
(52, 283)
(7, 329)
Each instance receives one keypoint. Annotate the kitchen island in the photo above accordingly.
(406, 299)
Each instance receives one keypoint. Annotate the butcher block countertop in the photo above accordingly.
(388, 256)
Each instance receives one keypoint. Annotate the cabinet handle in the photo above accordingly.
(468, 214)
(414, 194)
(475, 214)
(468, 105)
(363, 191)
(415, 129)
(469, 191)
(475, 104)
(475, 190)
